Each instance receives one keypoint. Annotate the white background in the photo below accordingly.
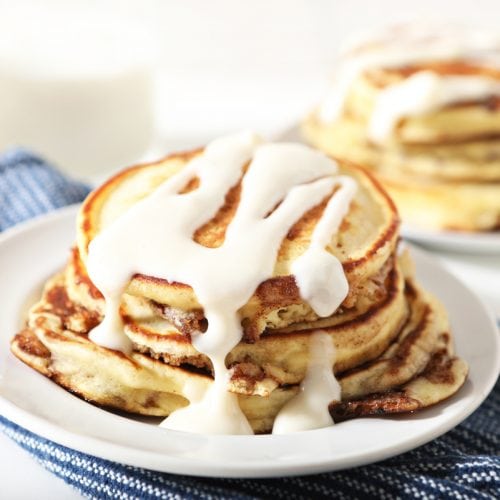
(222, 65)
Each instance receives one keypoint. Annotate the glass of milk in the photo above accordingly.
(76, 89)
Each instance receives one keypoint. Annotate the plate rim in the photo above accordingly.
(120, 453)
(460, 243)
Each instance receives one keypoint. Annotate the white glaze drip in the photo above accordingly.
(408, 44)
(309, 409)
(423, 92)
(109, 333)
(155, 237)
(318, 273)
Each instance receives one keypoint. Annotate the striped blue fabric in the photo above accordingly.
(462, 464)
(30, 187)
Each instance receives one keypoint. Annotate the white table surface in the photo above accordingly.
(21, 478)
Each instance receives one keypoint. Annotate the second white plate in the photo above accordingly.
(454, 241)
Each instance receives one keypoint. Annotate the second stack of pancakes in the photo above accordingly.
(420, 105)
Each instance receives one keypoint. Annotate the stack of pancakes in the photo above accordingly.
(441, 166)
(392, 340)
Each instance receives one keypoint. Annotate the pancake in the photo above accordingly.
(440, 380)
(357, 336)
(455, 122)
(365, 243)
(479, 204)
(432, 157)
(475, 160)
(391, 347)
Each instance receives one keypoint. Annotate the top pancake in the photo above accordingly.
(450, 124)
(457, 142)
(365, 241)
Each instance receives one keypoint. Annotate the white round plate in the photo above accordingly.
(454, 241)
(31, 252)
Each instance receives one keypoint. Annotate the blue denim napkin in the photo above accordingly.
(29, 187)
(462, 464)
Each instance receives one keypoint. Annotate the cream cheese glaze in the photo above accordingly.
(422, 92)
(155, 237)
(408, 44)
(309, 409)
